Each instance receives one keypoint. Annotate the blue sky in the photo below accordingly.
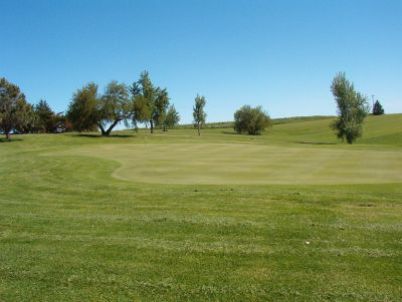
(278, 54)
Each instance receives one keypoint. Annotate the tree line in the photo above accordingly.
(19, 116)
(145, 103)
(141, 102)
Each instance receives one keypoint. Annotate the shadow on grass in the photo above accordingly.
(94, 135)
(4, 140)
(230, 133)
(314, 143)
(241, 134)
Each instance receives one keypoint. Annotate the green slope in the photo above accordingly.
(381, 130)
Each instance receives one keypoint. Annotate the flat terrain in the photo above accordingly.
(291, 215)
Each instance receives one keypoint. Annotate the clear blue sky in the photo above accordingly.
(278, 54)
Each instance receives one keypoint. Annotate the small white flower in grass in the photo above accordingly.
(307, 242)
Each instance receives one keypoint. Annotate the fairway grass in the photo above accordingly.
(292, 215)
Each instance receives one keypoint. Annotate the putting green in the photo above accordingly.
(247, 164)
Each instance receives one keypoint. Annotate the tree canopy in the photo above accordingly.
(142, 102)
(199, 114)
(352, 109)
(83, 109)
(15, 112)
(377, 108)
(149, 102)
(251, 120)
(88, 110)
(113, 107)
(45, 117)
(172, 118)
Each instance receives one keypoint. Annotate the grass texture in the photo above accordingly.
(291, 215)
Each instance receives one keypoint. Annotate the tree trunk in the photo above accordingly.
(111, 127)
(199, 133)
(152, 125)
(7, 135)
(106, 132)
(102, 130)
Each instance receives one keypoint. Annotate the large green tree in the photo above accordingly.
(150, 103)
(352, 109)
(28, 117)
(45, 117)
(199, 114)
(251, 120)
(161, 107)
(172, 118)
(88, 110)
(83, 109)
(14, 109)
(113, 107)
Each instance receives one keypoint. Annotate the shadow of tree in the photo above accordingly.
(4, 140)
(95, 135)
(314, 143)
(230, 132)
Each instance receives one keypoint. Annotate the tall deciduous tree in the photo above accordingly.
(45, 117)
(88, 110)
(29, 119)
(115, 106)
(14, 110)
(352, 109)
(143, 94)
(172, 118)
(83, 109)
(149, 102)
(199, 114)
(161, 106)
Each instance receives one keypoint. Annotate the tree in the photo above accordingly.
(14, 109)
(199, 114)
(29, 119)
(143, 94)
(114, 107)
(251, 120)
(172, 118)
(160, 107)
(83, 109)
(88, 110)
(141, 111)
(377, 108)
(352, 109)
(149, 102)
(45, 117)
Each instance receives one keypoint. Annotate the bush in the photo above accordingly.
(251, 120)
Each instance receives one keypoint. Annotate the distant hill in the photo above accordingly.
(276, 121)
(382, 130)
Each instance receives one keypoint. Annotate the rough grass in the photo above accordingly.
(70, 231)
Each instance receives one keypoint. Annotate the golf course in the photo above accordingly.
(294, 214)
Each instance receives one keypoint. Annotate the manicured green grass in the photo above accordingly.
(247, 164)
(222, 217)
